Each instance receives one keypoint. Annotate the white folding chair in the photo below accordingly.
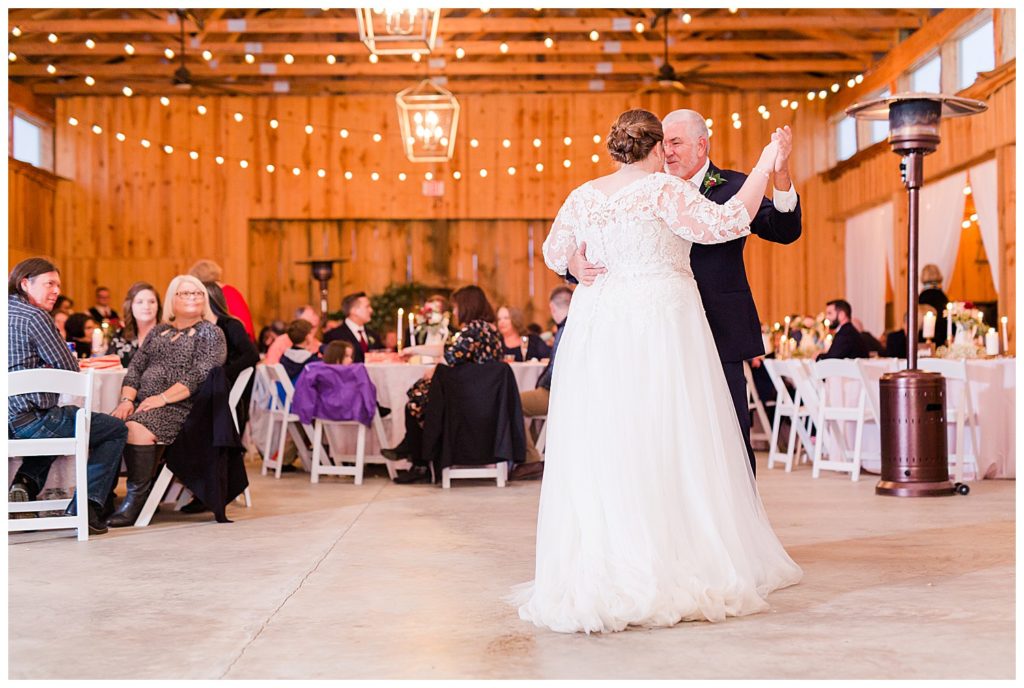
(498, 471)
(963, 417)
(786, 406)
(542, 436)
(55, 382)
(282, 418)
(755, 404)
(333, 461)
(834, 412)
(237, 390)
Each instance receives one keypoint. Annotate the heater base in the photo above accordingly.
(894, 489)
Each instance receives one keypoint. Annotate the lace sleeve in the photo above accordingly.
(561, 241)
(698, 219)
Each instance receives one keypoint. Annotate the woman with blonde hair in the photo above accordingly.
(163, 375)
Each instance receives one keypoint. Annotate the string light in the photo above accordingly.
(145, 143)
(73, 121)
(250, 58)
(129, 48)
(503, 47)
(238, 117)
(594, 35)
(735, 116)
(974, 217)
(850, 83)
(506, 143)
(168, 149)
(207, 55)
(737, 124)
(459, 53)
(835, 87)
(127, 90)
(822, 94)
(97, 129)
(52, 38)
(309, 129)
(639, 27)
(296, 171)
(687, 18)
(89, 81)
(765, 114)
(483, 172)
(11, 57)
(270, 169)
(416, 57)
(474, 143)
(429, 176)
(243, 164)
(567, 140)
(374, 176)
(193, 154)
(201, 109)
(733, 10)
(811, 95)
(859, 78)
(377, 138)
(784, 102)
(401, 176)
(219, 159)
(289, 58)
(373, 58)
(457, 175)
(539, 167)
(793, 105)
(321, 173)
(966, 224)
(567, 163)
(536, 143)
(120, 137)
(761, 108)
(168, 53)
(511, 171)
(343, 133)
(16, 31)
(331, 59)
(549, 42)
(595, 158)
(348, 175)
(273, 124)
(709, 122)
(50, 69)
(165, 101)
(597, 138)
(967, 190)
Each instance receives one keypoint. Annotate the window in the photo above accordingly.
(976, 52)
(878, 129)
(28, 141)
(846, 138)
(927, 77)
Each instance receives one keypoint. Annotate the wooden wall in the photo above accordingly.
(31, 195)
(130, 212)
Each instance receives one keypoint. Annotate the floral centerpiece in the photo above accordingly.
(798, 336)
(431, 324)
(970, 328)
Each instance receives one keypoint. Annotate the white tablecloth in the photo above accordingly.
(392, 381)
(993, 396)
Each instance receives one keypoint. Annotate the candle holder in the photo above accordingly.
(322, 270)
(915, 458)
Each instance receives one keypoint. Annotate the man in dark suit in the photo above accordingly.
(357, 311)
(846, 342)
(718, 269)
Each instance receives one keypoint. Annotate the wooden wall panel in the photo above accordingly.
(30, 212)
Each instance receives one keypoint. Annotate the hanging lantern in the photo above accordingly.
(428, 116)
(398, 30)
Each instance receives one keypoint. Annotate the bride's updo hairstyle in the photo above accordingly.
(634, 135)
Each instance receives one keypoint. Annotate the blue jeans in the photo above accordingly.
(107, 437)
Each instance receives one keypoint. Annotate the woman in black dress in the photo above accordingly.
(518, 342)
(141, 312)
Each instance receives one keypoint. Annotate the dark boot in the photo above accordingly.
(140, 461)
(97, 524)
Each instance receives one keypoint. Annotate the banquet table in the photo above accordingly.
(392, 381)
(993, 396)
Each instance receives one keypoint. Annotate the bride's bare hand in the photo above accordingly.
(768, 155)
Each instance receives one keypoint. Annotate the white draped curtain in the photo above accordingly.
(984, 185)
(868, 247)
(941, 215)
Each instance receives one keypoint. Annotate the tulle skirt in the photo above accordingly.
(649, 514)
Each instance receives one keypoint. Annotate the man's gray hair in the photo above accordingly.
(693, 120)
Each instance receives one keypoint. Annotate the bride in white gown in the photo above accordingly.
(649, 513)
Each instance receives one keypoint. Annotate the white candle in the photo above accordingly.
(412, 329)
(928, 327)
(1006, 340)
(401, 312)
(766, 340)
(786, 320)
(992, 343)
(97, 342)
(949, 322)
(828, 342)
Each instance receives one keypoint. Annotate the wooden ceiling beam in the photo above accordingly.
(473, 48)
(127, 71)
(453, 25)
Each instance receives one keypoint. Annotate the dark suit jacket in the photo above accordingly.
(343, 333)
(722, 278)
(846, 343)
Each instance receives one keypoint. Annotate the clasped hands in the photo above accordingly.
(127, 408)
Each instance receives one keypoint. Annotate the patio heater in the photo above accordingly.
(322, 270)
(915, 458)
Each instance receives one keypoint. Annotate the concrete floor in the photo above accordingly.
(390, 581)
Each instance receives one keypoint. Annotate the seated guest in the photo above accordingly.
(241, 352)
(896, 341)
(102, 310)
(535, 401)
(268, 334)
(477, 341)
(518, 342)
(141, 310)
(208, 271)
(846, 342)
(300, 334)
(78, 330)
(870, 341)
(339, 353)
(33, 342)
(358, 311)
(165, 372)
(282, 343)
(436, 331)
(535, 328)
(64, 305)
(932, 295)
(59, 320)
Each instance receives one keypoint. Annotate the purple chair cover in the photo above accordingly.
(335, 392)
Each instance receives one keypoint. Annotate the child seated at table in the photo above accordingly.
(300, 332)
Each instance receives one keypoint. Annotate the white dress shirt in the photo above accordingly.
(785, 201)
(357, 329)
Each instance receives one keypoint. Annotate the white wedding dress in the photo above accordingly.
(649, 513)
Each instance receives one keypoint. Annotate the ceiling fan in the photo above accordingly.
(666, 78)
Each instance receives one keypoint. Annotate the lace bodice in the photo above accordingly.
(639, 227)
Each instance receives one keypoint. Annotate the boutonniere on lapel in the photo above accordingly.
(711, 180)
